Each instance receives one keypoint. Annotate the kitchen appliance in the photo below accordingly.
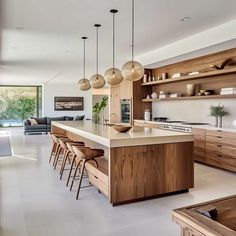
(160, 119)
(125, 110)
(180, 126)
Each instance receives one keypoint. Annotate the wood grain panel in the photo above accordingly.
(199, 145)
(144, 171)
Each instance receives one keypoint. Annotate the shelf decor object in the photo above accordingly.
(84, 84)
(222, 66)
(218, 112)
(97, 81)
(113, 75)
(132, 70)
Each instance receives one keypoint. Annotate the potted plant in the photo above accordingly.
(98, 108)
(218, 112)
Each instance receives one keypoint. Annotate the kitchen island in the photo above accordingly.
(141, 164)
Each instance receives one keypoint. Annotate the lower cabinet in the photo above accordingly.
(215, 148)
(221, 149)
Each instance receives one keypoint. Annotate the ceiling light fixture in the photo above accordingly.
(113, 75)
(185, 18)
(97, 81)
(84, 84)
(132, 70)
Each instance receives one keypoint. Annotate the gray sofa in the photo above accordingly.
(44, 123)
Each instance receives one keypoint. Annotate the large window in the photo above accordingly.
(21, 102)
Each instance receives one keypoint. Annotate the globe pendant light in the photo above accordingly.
(132, 70)
(97, 81)
(113, 75)
(84, 84)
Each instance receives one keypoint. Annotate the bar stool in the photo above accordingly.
(54, 144)
(83, 155)
(68, 153)
(60, 150)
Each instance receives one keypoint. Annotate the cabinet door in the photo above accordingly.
(126, 89)
(199, 145)
(115, 104)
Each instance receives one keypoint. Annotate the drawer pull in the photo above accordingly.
(219, 145)
(219, 155)
(219, 130)
(95, 177)
(218, 136)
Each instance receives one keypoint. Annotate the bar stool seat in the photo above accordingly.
(83, 155)
(55, 146)
(68, 153)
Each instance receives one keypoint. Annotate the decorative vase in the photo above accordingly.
(191, 89)
(96, 119)
(220, 121)
(154, 95)
(216, 118)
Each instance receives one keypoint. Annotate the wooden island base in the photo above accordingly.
(142, 172)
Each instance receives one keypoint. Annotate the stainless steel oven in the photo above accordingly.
(125, 110)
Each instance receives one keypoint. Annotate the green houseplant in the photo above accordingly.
(218, 112)
(98, 108)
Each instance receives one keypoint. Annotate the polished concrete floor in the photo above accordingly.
(35, 202)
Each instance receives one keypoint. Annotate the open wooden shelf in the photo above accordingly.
(189, 77)
(191, 98)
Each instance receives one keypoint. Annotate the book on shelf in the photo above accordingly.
(227, 91)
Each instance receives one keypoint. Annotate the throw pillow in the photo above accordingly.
(79, 118)
(32, 121)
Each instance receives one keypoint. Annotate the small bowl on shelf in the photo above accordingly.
(207, 93)
(122, 128)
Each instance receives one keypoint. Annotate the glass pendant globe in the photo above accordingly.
(132, 71)
(113, 76)
(97, 81)
(84, 84)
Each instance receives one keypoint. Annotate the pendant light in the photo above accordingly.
(132, 70)
(113, 75)
(84, 84)
(97, 81)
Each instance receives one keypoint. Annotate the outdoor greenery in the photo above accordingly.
(98, 108)
(20, 103)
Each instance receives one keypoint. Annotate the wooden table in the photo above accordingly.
(195, 224)
(142, 163)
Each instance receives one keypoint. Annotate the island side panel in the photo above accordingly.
(139, 172)
(57, 130)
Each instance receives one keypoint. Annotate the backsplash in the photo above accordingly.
(194, 110)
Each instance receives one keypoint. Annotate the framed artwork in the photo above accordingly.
(68, 103)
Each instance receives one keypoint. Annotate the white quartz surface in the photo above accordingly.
(109, 137)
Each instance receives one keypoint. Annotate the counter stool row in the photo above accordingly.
(76, 154)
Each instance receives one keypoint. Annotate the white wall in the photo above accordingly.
(52, 90)
(194, 110)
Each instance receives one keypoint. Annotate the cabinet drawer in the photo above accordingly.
(228, 142)
(228, 151)
(101, 172)
(222, 134)
(199, 143)
(94, 180)
(214, 140)
(221, 161)
(199, 132)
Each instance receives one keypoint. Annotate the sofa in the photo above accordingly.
(44, 123)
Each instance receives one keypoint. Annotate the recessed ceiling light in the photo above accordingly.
(19, 28)
(185, 18)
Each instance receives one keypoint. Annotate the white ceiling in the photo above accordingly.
(41, 40)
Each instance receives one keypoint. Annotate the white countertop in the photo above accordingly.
(109, 137)
(207, 127)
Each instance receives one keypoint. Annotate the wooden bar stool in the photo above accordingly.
(83, 155)
(55, 145)
(60, 150)
(68, 153)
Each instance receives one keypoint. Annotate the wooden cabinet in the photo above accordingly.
(199, 145)
(114, 104)
(221, 149)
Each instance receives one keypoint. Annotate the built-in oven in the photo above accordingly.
(125, 110)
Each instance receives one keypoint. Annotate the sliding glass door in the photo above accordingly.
(21, 102)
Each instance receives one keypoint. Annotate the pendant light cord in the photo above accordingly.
(132, 30)
(113, 49)
(97, 53)
(84, 58)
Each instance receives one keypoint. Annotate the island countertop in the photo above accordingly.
(109, 137)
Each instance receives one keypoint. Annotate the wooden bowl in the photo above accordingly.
(122, 128)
